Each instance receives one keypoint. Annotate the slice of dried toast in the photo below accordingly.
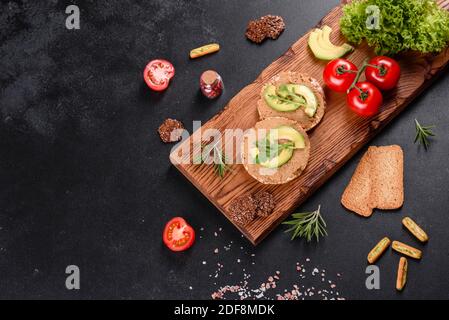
(356, 196)
(387, 177)
(378, 181)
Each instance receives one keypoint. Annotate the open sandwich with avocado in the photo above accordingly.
(295, 96)
(276, 150)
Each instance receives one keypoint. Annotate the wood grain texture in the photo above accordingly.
(333, 142)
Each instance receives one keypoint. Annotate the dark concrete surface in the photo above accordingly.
(85, 179)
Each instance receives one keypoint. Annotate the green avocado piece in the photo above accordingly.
(289, 133)
(325, 42)
(283, 91)
(289, 97)
(277, 102)
(309, 96)
(278, 161)
(283, 133)
(288, 91)
(323, 49)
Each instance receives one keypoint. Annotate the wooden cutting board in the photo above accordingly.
(336, 139)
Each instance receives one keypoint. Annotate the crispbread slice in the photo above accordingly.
(387, 177)
(356, 196)
(378, 181)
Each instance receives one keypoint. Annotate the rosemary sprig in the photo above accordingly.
(307, 225)
(219, 159)
(220, 162)
(423, 134)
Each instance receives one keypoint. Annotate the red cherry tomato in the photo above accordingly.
(383, 72)
(178, 235)
(366, 100)
(339, 74)
(157, 74)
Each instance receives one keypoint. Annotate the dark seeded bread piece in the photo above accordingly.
(387, 177)
(356, 196)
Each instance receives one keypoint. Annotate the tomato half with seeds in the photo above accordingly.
(178, 234)
(157, 74)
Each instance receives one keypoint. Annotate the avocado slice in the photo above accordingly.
(324, 41)
(282, 133)
(309, 96)
(322, 47)
(277, 102)
(275, 162)
(288, 91)
(278, 161)
(289, 133)
(283, 91)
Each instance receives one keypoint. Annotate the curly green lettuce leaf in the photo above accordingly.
(419, 25)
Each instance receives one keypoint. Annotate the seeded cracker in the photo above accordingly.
(255, 31)
(168, 130)
(267, 26)
(243, 210)
(265, 203)
(274, 25)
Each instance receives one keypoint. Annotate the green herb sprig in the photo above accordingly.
(307, 225)
(219, 160)
(423, 133)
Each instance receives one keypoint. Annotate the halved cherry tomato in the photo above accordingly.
(339, 74)
(157, 74)
(178, 235)
(364, 99)
(383, 72)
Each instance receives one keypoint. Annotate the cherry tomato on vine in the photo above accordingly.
(339, 74)
(157, 74)
(178, 235)
(364, 99)
(383, 72)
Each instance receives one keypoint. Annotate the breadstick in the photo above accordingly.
(202, 51)
(402, 274)
(377, 251)
(415, 229)
(406, 250)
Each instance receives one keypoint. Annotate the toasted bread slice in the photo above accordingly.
(356, 196)
(387, 177)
